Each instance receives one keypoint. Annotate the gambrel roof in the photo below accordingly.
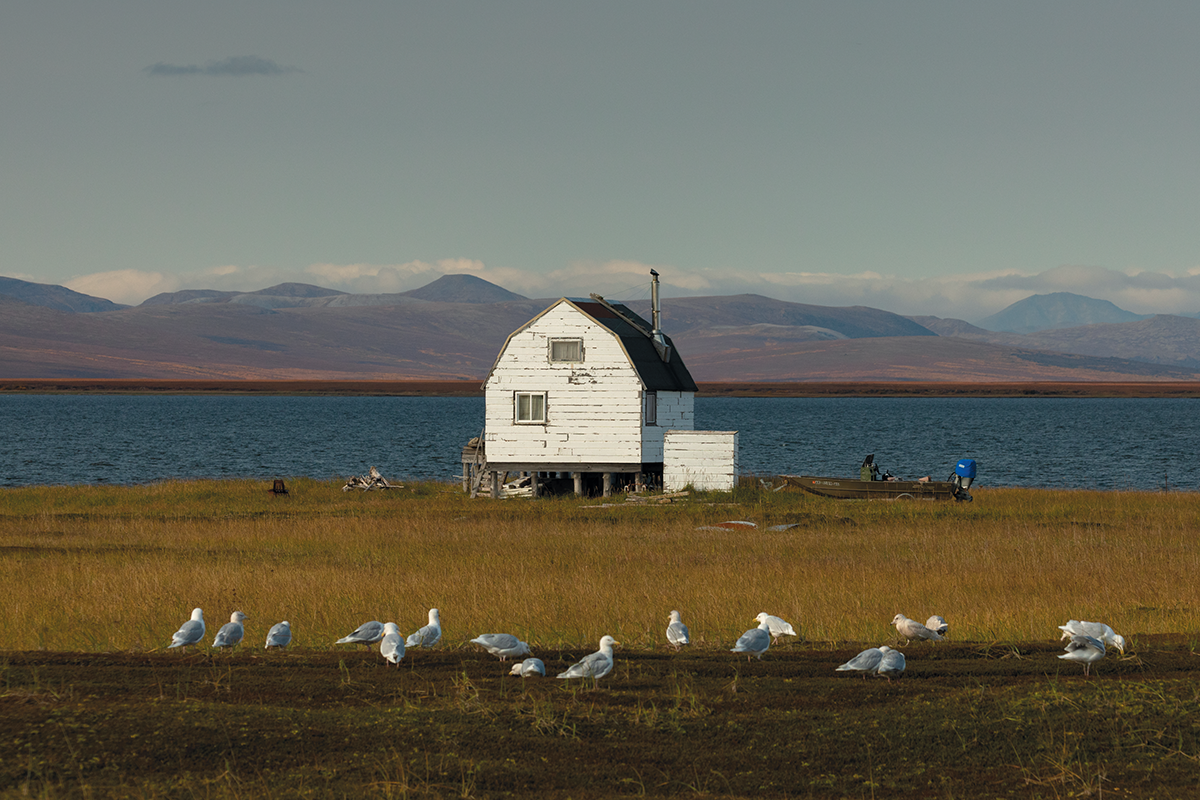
(634, 334)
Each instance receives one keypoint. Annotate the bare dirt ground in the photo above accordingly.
(966, 719)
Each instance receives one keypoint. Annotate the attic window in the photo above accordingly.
(529, 408)
(566, 350)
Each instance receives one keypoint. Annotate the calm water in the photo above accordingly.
(1037, 442)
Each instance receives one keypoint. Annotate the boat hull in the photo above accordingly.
(851, 489)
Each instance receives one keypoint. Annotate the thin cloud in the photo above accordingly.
(237, 67)
(128, 286)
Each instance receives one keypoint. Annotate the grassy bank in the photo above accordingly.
(111, 568)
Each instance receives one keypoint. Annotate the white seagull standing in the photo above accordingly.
(777, 627)
(190, 632)
(911, 629)
(595, 666)
(427, 635)
(755, 641)
(1096, 630)
(368, 633)
(502, 644)
(391, 646)
(280, 635)
(880, 660)
(530, 666)
(937, 624)
(1084, 649)
(677, 633)
(231, 633)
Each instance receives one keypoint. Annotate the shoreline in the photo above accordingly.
(474, 388)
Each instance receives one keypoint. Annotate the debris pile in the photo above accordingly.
(372, 480)
(518, 487)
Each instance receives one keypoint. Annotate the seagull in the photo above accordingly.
(776, 626)
(231, 632)
(501, 644)
(530, 666)
(190, 632)
(937, 624)
(677, 633)
(1096, 630)
(368, 633)
(595, 666)
(755, 641)
(427, 635)
(881, 660)
(892, 663)
(1084, 649)
(391, 646)
(911, 629)
(280, 635)
(866, 661)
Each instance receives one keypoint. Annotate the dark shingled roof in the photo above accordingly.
(656, 374)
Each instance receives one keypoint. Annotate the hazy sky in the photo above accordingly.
(939, 158)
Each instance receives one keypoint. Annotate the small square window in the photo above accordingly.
(650, 413)
(566, 349)
(530, 407)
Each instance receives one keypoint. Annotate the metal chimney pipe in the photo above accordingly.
(656, 335)
(654, 303)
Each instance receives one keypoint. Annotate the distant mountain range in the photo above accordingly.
(446, 289)
(455, 326)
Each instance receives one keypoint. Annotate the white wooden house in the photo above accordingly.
(585, 390)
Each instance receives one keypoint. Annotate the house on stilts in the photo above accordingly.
(590, 397)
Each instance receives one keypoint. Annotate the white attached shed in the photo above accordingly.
(704, 460)
(585, 391)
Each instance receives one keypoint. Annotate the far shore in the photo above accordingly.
(474, 388)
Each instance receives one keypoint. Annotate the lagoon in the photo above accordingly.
(1074, 443)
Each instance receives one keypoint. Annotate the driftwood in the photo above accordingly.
(659, 499)
(372, 480)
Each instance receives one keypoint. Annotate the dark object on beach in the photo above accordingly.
(278, 488)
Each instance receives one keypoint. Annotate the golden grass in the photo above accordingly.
(119, 568)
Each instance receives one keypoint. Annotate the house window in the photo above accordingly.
(566, 349)
(650, 413)
(530, 407)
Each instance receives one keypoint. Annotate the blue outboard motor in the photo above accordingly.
(960, 481)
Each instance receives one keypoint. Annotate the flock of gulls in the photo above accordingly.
(1086, 642)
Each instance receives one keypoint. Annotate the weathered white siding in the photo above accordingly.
(593, 407)
(676, 411)
(705, 459)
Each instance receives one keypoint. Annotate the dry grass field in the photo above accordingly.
(98, 578)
